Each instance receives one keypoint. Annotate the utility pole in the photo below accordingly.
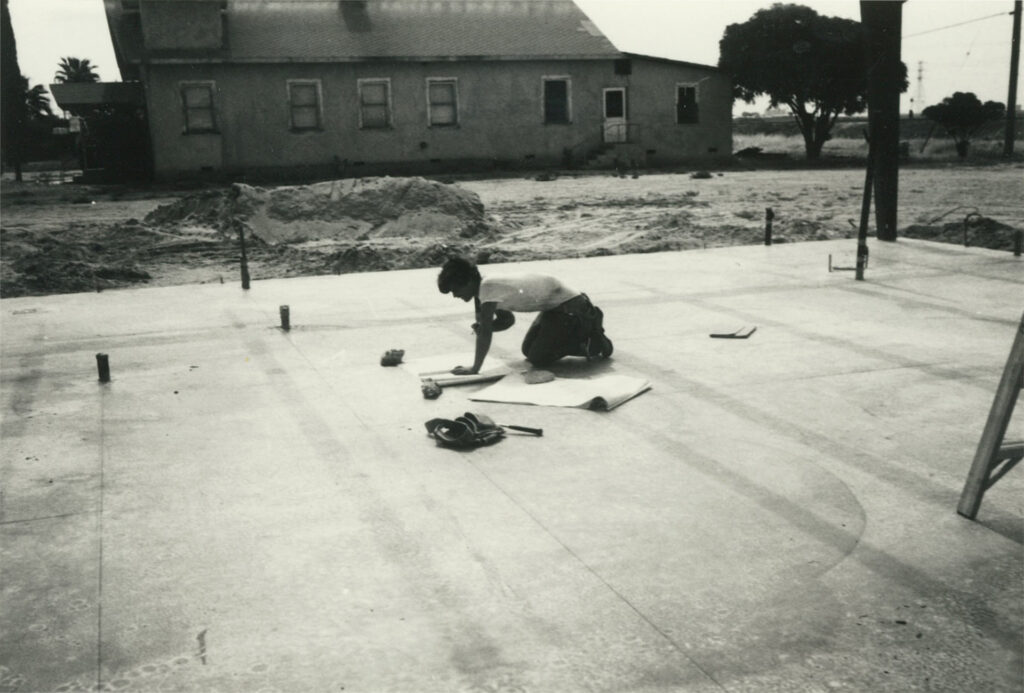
(1011, 99)
(919, 98)
(882, 22)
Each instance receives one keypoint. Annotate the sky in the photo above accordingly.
(948, 45)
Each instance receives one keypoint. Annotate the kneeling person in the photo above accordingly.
(568, 324)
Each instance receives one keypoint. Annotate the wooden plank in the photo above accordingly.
(986, 456)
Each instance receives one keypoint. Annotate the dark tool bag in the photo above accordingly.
(463, 433)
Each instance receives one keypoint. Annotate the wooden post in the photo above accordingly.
(865, 214)
(991, 451)
(1011, 98)
(882, 22)
(233, 196)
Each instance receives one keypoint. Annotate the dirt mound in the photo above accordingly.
(357, 209)
(209, 209)
(975, 231)
(44, 263)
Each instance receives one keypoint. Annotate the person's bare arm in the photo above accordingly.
(484, 330)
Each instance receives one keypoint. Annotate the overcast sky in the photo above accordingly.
(974, 56)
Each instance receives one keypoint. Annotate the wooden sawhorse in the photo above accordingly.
(994, 459)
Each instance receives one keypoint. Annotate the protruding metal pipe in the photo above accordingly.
(768, 216)
(286, 322)
(103, 366)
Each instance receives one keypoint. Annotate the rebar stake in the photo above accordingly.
(285, 318)
(103, 366)
(245, 260)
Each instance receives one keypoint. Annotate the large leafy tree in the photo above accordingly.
(75, 70)
(12, 125)
(811, 63)
(962, 115)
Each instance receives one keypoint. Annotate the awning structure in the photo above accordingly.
(78, 94)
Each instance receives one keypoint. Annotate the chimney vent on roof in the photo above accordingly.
(355, 14)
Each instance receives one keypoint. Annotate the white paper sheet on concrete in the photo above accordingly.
(604, 392)
(439, 369)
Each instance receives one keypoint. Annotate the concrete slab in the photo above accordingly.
(247, 509)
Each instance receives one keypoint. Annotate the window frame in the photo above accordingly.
(186, 127)
(454, 82)
(696, 103)
(544, 102)
(388, 118)
(318, 106)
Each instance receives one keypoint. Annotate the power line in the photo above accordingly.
(969, 21)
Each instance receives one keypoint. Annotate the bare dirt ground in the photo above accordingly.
(68, 238)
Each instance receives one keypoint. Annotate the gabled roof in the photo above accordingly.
(358, 30)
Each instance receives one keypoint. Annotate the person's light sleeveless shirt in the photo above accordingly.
(525, 293)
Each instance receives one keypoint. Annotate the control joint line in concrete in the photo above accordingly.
(925, 488)
(702, 297)
(104, 391)
(398, 544)
(983, 615)
(597, 576)
(561, 543)
(876, 288)
(941, 269)
(898, 360)
(46, 517)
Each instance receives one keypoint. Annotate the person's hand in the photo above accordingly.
(462, 370)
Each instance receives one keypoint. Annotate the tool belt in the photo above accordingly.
(464, 432)
(587, 318)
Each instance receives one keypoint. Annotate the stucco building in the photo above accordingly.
(358, 87)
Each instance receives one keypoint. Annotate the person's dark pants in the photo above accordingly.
(561, 331)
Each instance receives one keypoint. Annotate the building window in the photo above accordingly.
(374, 103)
(686, 104)
(442, 102)
(304, 102)
(556, 100)
(198, 107)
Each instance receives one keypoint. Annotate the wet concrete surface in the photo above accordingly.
(245, 509)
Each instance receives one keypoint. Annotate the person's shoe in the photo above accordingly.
(599, 347)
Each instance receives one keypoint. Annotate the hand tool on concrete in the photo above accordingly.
(738, 334)
(392, 357)
(486, 421)
(430, 389)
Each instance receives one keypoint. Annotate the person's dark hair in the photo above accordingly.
(456, 272)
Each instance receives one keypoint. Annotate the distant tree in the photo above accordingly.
(962, 115)
(798, 58)
(37, 101)
(75, 70)
(12, 102)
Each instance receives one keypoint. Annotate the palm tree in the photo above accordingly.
(37, 101)
(75, 70)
